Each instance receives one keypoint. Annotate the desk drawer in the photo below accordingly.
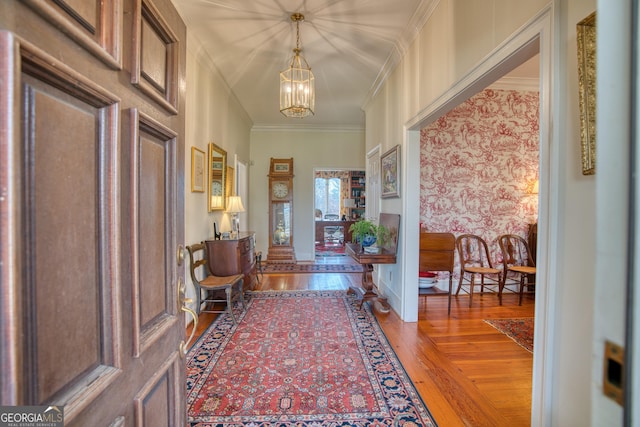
(245, 245)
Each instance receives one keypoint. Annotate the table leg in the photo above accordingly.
(368, 293)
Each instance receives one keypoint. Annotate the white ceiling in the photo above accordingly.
(349, 44)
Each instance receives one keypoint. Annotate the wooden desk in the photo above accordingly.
(233, 256)
(367, 292)
(320, 225)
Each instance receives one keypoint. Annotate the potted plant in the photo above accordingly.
(366, 233)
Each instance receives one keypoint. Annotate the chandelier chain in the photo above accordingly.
(297, 35)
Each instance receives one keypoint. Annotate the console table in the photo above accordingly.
(368, 292)
(233, 256)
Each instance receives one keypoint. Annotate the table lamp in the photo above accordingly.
(234, 205)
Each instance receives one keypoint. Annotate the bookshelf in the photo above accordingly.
(358, 195)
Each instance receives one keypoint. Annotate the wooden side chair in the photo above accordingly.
(213, 286)
(437, 254)
(475, 260)
(517, 258)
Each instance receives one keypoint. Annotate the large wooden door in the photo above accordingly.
(91, 217)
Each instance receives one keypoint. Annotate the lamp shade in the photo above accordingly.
(234, 204)
(349, 203)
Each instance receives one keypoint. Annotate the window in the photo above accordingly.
(327, 193)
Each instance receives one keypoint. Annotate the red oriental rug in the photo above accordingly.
(303, 359)
(311, 268)
(519, 330)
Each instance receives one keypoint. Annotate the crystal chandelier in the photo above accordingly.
(297, 84)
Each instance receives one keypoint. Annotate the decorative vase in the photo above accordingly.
(368, 241)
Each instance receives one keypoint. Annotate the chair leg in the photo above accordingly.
(471, 286)
(229, 306)
(521, 288)
(198, 297)
(450, 292)
(259, 266)
(460, 282)
(240, 286)
(500, 289)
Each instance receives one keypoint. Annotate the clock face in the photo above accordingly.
(280, 190)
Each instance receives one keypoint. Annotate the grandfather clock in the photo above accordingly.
(281, 212)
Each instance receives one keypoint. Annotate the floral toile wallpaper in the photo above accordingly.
(478, 165)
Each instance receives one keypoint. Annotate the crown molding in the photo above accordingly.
(307, 128)
(517, 83)
(412, 30)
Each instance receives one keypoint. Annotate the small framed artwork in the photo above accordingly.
(197, 170)
(281, 166)
(390, 172)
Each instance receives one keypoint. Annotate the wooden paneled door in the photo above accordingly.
(91, 209)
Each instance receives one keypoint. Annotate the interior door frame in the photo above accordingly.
(535, 37)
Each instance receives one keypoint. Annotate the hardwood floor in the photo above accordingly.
(467, 372)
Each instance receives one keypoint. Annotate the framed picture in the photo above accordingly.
(281, 166)
(586, 35)
(197, 170)
(390, 172)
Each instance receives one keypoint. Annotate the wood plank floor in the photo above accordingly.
(467, 372)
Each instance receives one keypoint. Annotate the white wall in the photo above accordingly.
(458, 36)
(310, 149)
(213, 114)
(613, 148)
(573, 297)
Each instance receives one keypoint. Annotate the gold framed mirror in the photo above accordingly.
(217, 178)
(586, 34)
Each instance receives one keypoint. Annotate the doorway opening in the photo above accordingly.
(479, 166)
(339, 201)
(534, 39)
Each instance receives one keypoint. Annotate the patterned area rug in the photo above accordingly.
(303, 359)
(519, 330)
(329, 253)
(311, 268)
(330, 250)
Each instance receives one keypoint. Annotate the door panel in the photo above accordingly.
(153, 148)
(68, 237)
(60, 221)
(95, 24)
(155, 55)
(156, 403)
(91, 196)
